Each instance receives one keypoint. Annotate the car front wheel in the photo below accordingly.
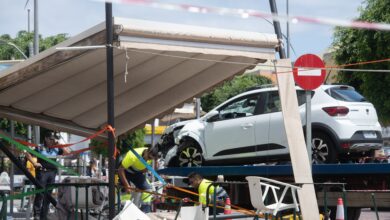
(189, 155)
(323, 149)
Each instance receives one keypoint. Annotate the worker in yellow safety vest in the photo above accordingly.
(202, 184)
(131, 169)
(146, 201)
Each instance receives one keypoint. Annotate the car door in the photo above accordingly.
(232, 134)
(276, 142)
(277, 139)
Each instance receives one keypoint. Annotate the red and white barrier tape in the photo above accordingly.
(247, 13)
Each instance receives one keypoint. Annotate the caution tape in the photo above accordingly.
(243, 210)
(38, 155)
(236, 208)
(107, 128)
(26, 143)
(250, 13)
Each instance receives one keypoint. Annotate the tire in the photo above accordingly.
(189, 154)
(323, 149)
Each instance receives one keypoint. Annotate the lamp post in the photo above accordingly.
(14, 46)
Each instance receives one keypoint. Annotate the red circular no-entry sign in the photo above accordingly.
(309, 72)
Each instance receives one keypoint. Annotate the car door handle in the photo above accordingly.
(246, 126)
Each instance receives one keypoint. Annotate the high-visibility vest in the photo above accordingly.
(132, 164)
(202, 190)
(30, 167)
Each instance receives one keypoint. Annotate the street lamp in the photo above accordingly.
(14, 46)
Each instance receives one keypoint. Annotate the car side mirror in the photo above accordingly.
(212, 116)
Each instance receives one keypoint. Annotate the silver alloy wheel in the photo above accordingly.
(320, 150)
(190, 157)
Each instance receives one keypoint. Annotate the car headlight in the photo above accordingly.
(177, 140)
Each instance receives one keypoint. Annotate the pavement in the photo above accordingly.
(368, 214)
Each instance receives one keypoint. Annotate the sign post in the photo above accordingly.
(309, 74)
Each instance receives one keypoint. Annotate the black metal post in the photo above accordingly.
(277, 29)
(87, 203)
(25, 171)
(110, 110)
(12, 171)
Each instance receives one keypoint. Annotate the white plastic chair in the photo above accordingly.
(258, 196)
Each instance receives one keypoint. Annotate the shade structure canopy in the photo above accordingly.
(157, 66)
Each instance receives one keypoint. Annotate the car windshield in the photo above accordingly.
(345, 93)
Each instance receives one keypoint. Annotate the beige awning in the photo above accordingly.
(167, 64)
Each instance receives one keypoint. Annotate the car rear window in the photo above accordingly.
(345, 93)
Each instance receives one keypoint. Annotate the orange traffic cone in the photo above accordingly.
(340, 209)
(228, 208)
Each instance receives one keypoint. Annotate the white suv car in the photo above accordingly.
(249, 129)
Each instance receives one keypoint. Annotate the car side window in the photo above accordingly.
(272, 103)
(242, 107)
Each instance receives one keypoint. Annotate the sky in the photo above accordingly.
(75, 16)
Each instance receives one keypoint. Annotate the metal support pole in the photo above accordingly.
(29, 139)
(375, 206)
(37, 135)
(36, 28)
(197, 107)
(29, 133)
(345, 203)
(154, 164)
(110, 110)
(277, 29)
(100, 167)
(84, 156)
(86, 204)
(152, 137)
(288, 30)
(12, 171)
(308, 125)
(28, 21)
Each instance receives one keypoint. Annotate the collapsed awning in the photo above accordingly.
(166, 65)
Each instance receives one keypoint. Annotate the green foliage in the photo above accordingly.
(231, 88)
(134, 139)
(99, 147)
(20, 128)
(22, 41)
(353, 45)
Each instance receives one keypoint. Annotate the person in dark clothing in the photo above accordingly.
(45, 172)
(92, 169)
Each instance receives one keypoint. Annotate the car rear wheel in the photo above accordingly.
(323, 149)
(189, 154)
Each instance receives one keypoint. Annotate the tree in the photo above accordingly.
(134, 139)
(356, 45)
(22, 41)
(231, 88)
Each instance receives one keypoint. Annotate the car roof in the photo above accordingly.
(274, 87)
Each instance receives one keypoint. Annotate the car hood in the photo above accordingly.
(172, 127)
